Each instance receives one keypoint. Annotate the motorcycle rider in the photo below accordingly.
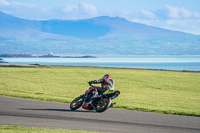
(106, 83)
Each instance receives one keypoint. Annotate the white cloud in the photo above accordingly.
(88, 8)
(148, 14)
(182, 19)
(82, 10)
(23, 5)
(79, 11)
(4, 3)
(169, 17)
(175, 12)
(70, 8)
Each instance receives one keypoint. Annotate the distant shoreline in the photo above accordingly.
(49, 66)
(2, 61)
(42, 56)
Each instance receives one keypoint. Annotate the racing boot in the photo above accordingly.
(112, 104)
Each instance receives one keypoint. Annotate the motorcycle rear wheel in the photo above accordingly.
(103, 105)
(76, 103)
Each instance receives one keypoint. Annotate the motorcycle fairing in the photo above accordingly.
(109, 91)
(87, 106)
(112, 93)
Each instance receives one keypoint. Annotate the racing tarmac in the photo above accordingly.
(33, 113)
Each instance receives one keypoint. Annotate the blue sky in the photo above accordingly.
(180, 15)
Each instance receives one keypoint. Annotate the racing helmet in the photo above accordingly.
(106, 76)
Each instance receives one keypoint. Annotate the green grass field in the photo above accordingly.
(144, 90)
(19, 129)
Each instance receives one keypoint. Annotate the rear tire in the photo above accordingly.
(103, 104)
(76, 103)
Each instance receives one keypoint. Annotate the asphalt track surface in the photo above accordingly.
(33, 113)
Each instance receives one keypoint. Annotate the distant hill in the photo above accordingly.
(100, 35)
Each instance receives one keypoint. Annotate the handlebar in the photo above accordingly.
(91, 85)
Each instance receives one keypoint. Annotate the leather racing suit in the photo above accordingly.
(106, 84)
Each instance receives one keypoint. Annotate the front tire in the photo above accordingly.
(76, 103)
(103, 104)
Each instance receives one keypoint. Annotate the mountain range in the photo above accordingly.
(96, 36)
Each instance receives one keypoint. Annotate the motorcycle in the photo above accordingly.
(88, 102)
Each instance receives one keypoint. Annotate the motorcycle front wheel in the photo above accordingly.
(103, 104)
(76, 103)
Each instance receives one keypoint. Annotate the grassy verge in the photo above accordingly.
(144, 90)
(19, 129)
